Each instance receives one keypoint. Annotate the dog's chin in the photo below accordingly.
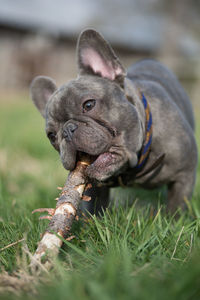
(102, 166)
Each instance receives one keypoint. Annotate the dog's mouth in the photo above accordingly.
(97, 161)
(100, 166)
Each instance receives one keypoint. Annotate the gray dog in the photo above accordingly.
(137, 126)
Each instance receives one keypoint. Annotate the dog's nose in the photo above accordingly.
(69, 130)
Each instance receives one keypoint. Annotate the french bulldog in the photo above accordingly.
(136, 125)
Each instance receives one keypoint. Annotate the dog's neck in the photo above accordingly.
(133, 95)
(140, 101)
(147, 131)
(146, 147)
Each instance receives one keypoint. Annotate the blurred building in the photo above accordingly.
(38, 36)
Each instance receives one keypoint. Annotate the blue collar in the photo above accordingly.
(144, 152)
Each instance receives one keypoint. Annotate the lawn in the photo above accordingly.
(130, 253)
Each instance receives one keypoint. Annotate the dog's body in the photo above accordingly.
(173, 130)
(101, 113)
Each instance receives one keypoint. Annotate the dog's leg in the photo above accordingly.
(99, 200)
(179, 190)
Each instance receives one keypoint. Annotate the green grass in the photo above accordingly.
(129, 253)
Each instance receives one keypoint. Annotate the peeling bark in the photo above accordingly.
(62, 217)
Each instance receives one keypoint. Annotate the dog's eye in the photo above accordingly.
(52, 137)
(88, 105)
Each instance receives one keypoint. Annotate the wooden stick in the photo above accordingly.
(12, 244)
(63, 216)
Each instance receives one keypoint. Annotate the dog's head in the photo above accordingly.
(91, 114)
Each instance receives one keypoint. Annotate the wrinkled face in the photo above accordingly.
(91, 116)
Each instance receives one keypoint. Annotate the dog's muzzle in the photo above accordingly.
(68, 130)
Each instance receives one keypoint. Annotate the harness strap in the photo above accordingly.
(154, 165)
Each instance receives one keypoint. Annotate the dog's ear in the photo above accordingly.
(41, 89)
(96, 57)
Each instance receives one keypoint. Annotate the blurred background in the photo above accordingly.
(38, 37)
